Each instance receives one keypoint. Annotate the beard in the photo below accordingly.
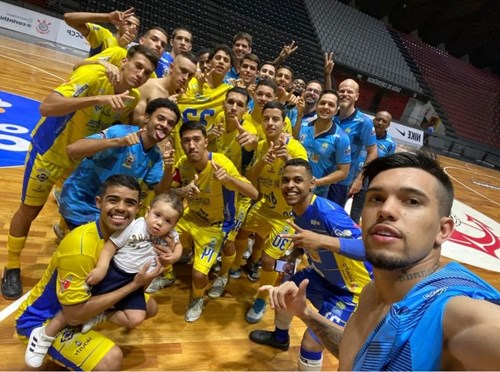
(383, 261)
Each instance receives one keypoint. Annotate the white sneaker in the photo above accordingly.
(249, 250)
(256, 312)
(38, 346)
(163, 281)
(60, 233)
(89, 324)
(194, 310)
(218, 287)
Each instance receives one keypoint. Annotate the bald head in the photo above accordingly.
(381, 122)
(348, 94)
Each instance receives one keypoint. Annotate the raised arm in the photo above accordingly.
(86, 147)
(57, 105)
(78, 20)
(471, 333)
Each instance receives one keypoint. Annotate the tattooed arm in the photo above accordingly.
(292, 300)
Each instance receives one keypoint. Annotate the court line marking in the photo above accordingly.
(467, 187)
(39, 46)
(39, 56)
(34, 67)
(5, 313)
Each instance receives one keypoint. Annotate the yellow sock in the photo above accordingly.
(227, 262)
(169, 272)
(14, 247)
(266, 278)
(198, 292)
(240, 244)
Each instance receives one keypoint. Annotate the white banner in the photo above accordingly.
(28, 22)
(69, 36)
(403, 134)
(40, 25)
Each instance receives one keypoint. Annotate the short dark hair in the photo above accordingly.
(188, 55)
(174, 33)
(252, 57)
(330, 91)
(170, 198)
(225, 49)
(268, 83)
(145, 51)
(238, 90)
(298, 162)
(275, 105)
(243, 35)
(285, 67)
(202, 51)
(163, 102)
(315, 82)
(193, 125)
(421, 160)
(158, 28)
(124, 180)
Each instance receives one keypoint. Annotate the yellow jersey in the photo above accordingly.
(228, 145)
(260, 130)
(53, 134)
(268, 182)
(215, 204)
(99, 38)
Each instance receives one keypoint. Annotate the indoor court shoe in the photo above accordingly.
(234, 274)
(163, 281)
(218, 287)
(267, 338)
(256, 312)
(38, 346)
(252, 269)
(90, 324)
(12, 288)
(59, 231)
(194, 310)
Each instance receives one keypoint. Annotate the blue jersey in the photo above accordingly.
(410, 337)
(292, 113)
(361, 133)
(308, 118)
(77, 202)
(164, 64)
(327, 218)
(385, 146)
(231, 75)
(325, 151)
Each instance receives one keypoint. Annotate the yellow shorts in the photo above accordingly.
(242, 208)
(269, 226)
(207, 241)
(39, 177)
(78, 351)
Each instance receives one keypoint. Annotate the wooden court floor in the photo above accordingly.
(219, 340)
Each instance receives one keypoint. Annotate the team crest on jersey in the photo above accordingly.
(314, 158)
(324, 146)
(129, 161)
(65, 283)
(67, 334)
(348, 130)
(79, 89)
(42, 175)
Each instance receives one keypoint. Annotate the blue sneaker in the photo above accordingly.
(234, 274)
(256, 312)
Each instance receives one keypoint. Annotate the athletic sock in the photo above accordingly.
(14, 247)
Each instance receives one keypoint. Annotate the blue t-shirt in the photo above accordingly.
(164, 64)
(77, 201)
(325, 151)
(385, 146)
(359, 128)
(327, 218)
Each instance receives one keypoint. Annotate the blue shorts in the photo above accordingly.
(116, 278)
(335, 304)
